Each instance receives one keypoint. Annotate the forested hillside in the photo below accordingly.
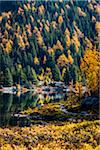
(49, 40)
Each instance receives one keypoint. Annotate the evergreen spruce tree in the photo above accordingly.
(8, 78)
(67, 76)
(34, 76)
(56, 73)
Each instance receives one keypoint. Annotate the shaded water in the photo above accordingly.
(11, 104)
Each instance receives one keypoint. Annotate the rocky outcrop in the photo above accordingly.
(90, 102)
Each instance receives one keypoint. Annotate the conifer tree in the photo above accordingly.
(8, 80)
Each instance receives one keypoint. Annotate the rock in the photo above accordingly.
(90, 102)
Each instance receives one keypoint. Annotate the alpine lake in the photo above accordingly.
(24, 109)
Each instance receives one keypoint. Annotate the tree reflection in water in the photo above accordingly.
(11, 104)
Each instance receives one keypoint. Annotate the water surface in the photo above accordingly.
(11, 104)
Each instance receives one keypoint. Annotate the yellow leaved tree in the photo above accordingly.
(36, 61)
(81, 12)
(41, 9)
(60, 19)
(76, 41)
(58, 45)
(50, 50)
(62, 60)
(8, 47)
(67, 37)
(97, 27)
(90, 68)
(39, 38)
(70, 59)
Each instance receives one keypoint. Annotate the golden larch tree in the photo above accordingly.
(90, 68)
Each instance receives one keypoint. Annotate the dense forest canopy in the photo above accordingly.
(49, 40)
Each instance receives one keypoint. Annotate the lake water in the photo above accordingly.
(11, 104)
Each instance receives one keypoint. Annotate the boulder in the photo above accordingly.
(90, 102)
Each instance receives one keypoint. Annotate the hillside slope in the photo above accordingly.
(47, 40)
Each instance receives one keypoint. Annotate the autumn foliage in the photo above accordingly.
(59, 35)
(90, 66)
